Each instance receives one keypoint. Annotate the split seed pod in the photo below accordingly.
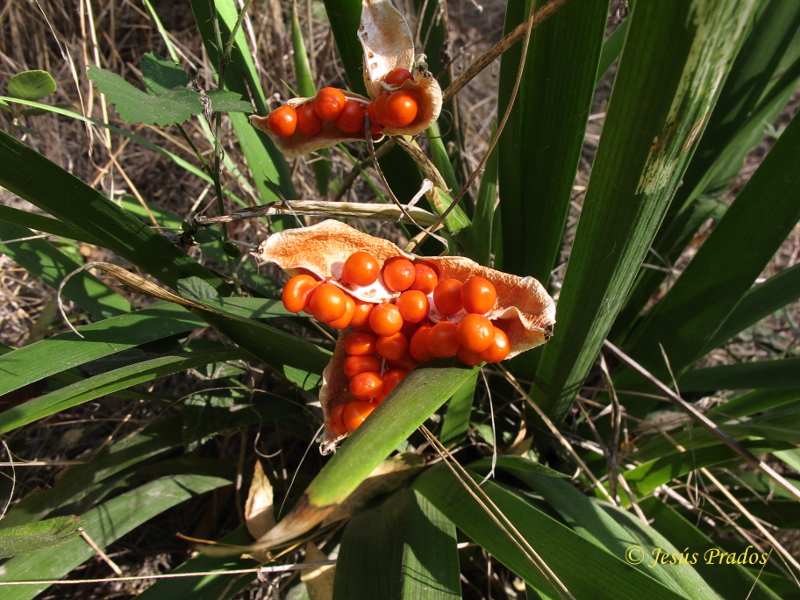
(388, 45)
(523, 310)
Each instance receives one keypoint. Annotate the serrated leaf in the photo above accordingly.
(161, 75)
(259, 514)
(228, 102)
(35, 536)
(31, 85)
(135, 106)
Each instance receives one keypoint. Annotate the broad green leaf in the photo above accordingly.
(648, 476)
(135, 106)
(515, 463)
(49, 264)
(601, 575)
(44, 224)
(161, 75)
(612, 48)
(704, 295)
(34, 362)
(459, 408)
(762, 374)
(127, 134)
(479, 235)
(663, 92)
(441, 160)
(549, 120)
(228, 102)
(345, 19)
(267, 164)
(617, 531)
(108, 383)
(35, 536)
(43, 183)
(756, 401)
(421, 393)
(726, 579)
(206, 587)
(104, 524)
(760, 301)
(31, 85)
(405, 549)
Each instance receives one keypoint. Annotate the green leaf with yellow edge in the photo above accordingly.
(135, 106)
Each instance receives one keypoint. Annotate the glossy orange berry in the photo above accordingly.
(352, 118)
(283, 121)
(308, 123)
(385, 319)
(425, 278)
(499, 348)
(297, 292)
(337, 420)
(329, 103)
(468, 357)
(366, 385)
(413, 306)
(360, 344)
(478, 295)
(442, 340)
(418, 347)
(361, 314)
(360, 268)
(398, 274)
(392, 347)
(349, 311)
(390, 381)
(399, 110)
(447, 296)
(355, 413)
(327, 303)
(405, 362)
(396, 77)
(353, 365)
(475, 332)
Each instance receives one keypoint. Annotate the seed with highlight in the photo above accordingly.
(327, 303)
(360, 268)
(297, 292)
(308, 123)
(392, 347)
(447, 296)
(337, 420)
(355, 413)
(442, 340)
(478, 295)
(353, 365)
(360, 344)
(385, 319)
(499, 348)
(398, 274)
(475, 332)
(366, 385)
(283, 121)
(413, 305)
(329, 103)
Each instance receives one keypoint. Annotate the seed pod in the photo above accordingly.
(388, 45)
(523, 310)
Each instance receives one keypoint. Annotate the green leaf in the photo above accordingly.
(726, 579)
(515, 463)
(601, 575)
(538, 162)
(616, 531)
(762, 374)
(228, 102)
(35, 536)
(704, 295)
(161, 75)
(108, 383)
(104, 524)
(405, 548)
(31, 85)
(51, 265)
(479, 235)
(662, 92)
(134, 106)
(459, 408)
(43, 183)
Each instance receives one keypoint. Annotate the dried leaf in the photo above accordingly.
(318, 580)
(259, 515)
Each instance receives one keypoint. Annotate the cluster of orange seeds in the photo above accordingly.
(429, 319)
(394, 108)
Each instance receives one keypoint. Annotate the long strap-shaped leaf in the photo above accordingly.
(31, 176)
(723, 270)
(675, 58)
